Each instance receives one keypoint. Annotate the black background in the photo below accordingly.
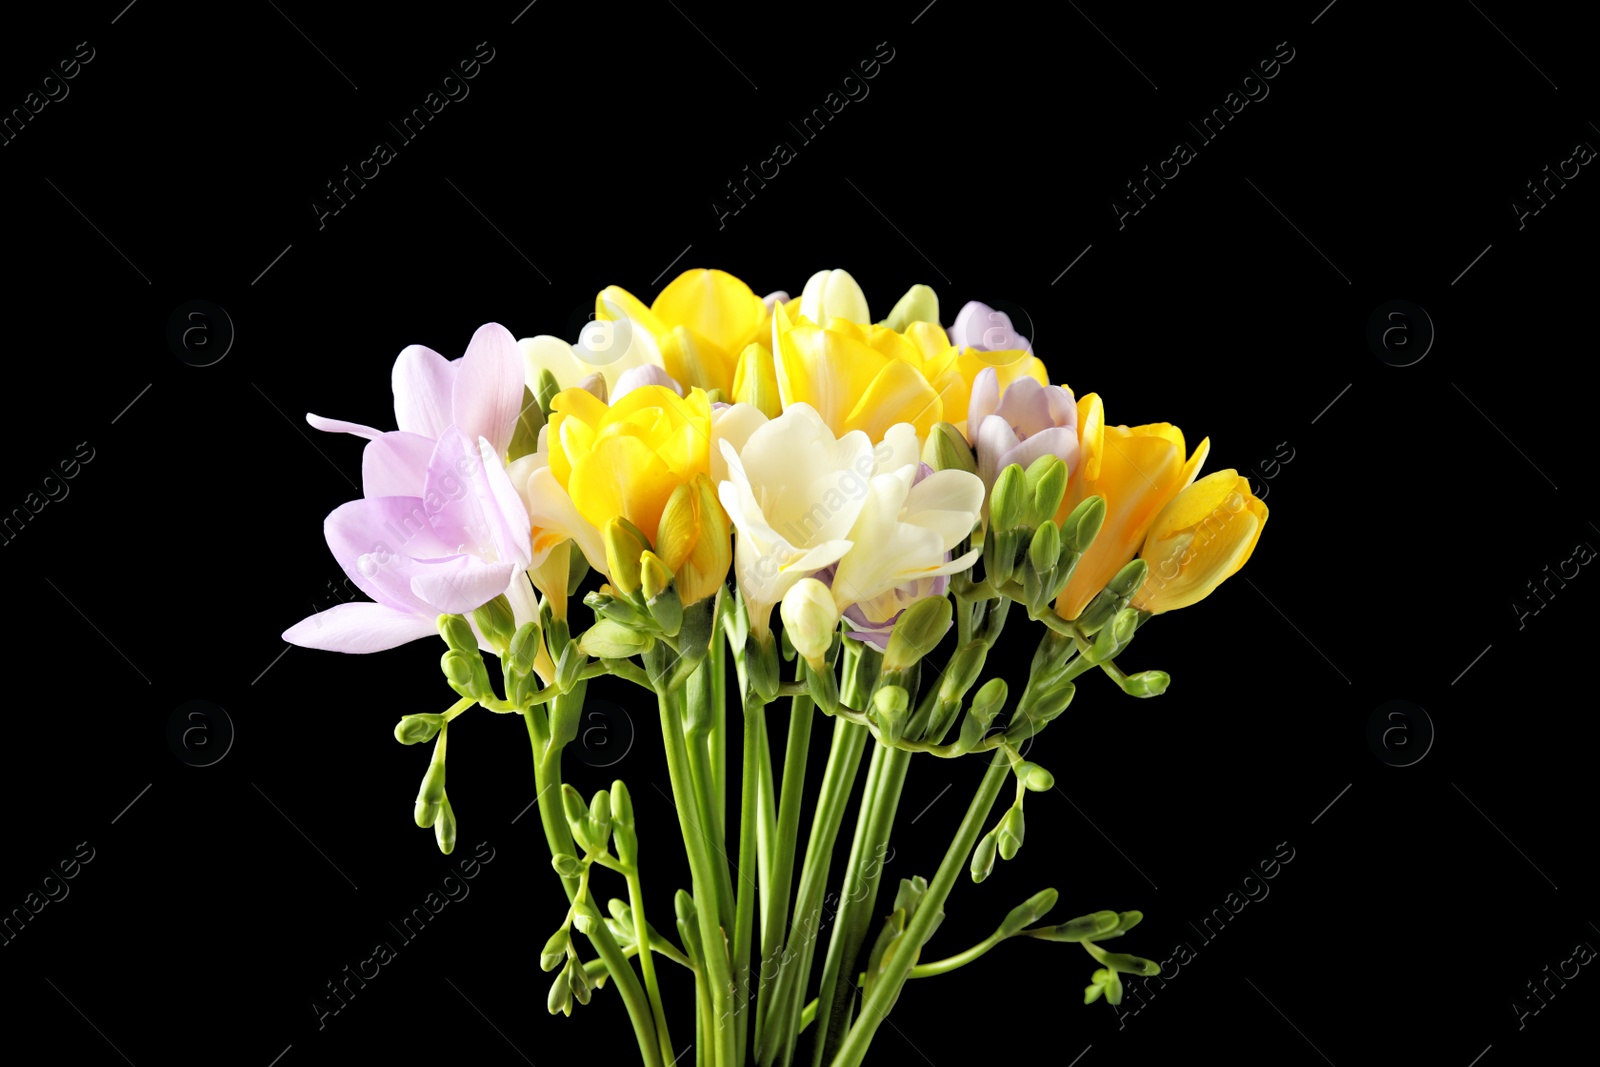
(1418, 503)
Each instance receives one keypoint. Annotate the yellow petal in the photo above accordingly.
(1091, 436)
(622, 476)
(755, 381)
(899, 393)
(695, 361)
(714, 305)
(827, 369)
(615, 302)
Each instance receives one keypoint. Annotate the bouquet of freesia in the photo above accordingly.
(878, 485)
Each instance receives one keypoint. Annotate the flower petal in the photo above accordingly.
(395, 464)
(340, 426)
(461, 583)
(359, 627)
(422, 382)
(487, 396)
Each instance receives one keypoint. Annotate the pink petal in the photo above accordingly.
(374, 540)
(471, 502)
(1025, 406)
(422, 381)
(985, 397)
(995, 439)
(460, 583)
(359, 627)
(488, 388)
(1063, 405)
(1058, 441)
(644, 374)
(340, 426)
(394, 464)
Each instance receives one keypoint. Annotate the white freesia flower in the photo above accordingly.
(792, 491)
(833, 294)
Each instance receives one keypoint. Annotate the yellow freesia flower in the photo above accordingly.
(1138, 470)
(701, 323)
(627, 459)
(1199, 540)
(871, 377)
(694, 540)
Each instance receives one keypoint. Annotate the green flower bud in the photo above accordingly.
(716, 396)
(688, 925)
(948, 450)
(1113, 985)
(890, 707)
(620, 911)
(559, 1002)
(414, 729)
(530, 420)
(1006, 499)
(1128, 920)
(586, 917)
(1045, 548)
(554, 951)
(823, 687)
(983, 857)
(1091, 993)
(577, 567)
(1045, 483)
(524, 647)
(624, 543)
(910, 894)
(920, 304)
(1123, 963)
(430, 798)
(457, 634)
(1129, 579)
(1028, 912)
(573, 806)
(444, 828)
(568, 666)
(621, 805)
(761, 663)
(578, 979)
(567, 866)
(548, 388)
(466, 673)
(608, 639)
(1033, 776)
(496, 622)
(1083, 524)
(1083, 928)
(917, 632)
(1147, 684)
(622, 932)
(989, 699)
(598, 825)
(1011, 833)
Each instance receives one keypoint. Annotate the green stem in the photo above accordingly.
(844, 759)
(744, 915)
(775, 917)
(808, 1014)
(701, 775)
(875, 1007)
(717, 1036)
(547, 779)
(878, 806)
(647, 963)
(717, 666)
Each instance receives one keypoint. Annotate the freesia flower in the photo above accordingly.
(833, 294)
(1028, 421)
(793, 491)
(902, 542)
(1138, 470)
(1199, 540)
(698, 325)
(452, 547)
(981, 327)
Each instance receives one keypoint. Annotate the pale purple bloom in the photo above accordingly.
(440, 529)
(646, 374)
(981, 327)
(1029, 421)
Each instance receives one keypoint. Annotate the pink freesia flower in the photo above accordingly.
(981, 327)
(1029, 421)
(440, 529)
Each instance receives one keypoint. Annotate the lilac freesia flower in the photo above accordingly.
(440, 528)
(1029, 421)
(638, 377)
(981, 327)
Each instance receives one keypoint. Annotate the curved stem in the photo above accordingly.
(647, 963)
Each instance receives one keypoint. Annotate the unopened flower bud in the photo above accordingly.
(554, 951)
(1045, 483)
(1011, 833)
(414, 729)
(810, 618)
(1034, 777)
(444, 828)
(1006, 499)
(948, 450)
(1028, 912)
(430, 797)
(609, 639)
(983, 857)
(457, 634)
(917, 632)
(559, 1002)
(890, 706)
(1080, 528)
(524, 647)
(567, 865)
(621, 805)
(1147, 683)
(497, 623)
(920, 304)
(1083, 928)
(624, 543)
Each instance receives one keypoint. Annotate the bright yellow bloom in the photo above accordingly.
(755, 382)
(1138, 470)
(1199, 540)
(871, 377)
(694, 540)
(701, 323)
(627, 459)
